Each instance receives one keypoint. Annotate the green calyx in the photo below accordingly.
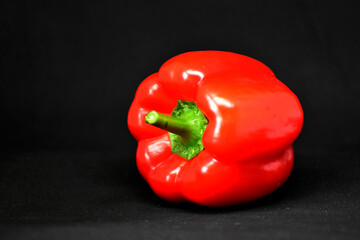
(186, 126)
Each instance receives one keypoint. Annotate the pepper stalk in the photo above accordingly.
(186, 126)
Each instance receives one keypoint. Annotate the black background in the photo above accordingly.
(70, 70)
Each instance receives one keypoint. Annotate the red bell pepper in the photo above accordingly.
(231, 131)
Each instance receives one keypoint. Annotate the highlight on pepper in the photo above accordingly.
(214, 128)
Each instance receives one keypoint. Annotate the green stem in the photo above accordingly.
(171, 124)
(186, 126)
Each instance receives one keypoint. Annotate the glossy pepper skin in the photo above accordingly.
(253, 119)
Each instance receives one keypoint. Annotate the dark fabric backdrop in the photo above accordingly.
(69, 72)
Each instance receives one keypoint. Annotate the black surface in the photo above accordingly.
(69, 71)
(98, 194)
